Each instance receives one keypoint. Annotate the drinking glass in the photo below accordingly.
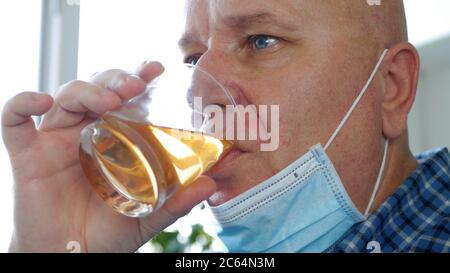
(137, 156)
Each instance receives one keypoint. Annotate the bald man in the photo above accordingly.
(343, 75)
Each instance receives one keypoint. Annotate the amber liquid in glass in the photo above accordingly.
(145, 163)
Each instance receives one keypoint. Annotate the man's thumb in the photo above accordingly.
(177, 206)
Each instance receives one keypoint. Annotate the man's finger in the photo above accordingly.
(148, 71)
(127, 85)
(177, 206)
(18, 127)
(75, 100)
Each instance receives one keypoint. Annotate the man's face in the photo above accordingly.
(305, 56)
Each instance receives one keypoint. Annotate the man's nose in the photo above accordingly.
(216, 62)
(211, 75)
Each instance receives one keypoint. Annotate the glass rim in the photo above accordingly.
(227, 93)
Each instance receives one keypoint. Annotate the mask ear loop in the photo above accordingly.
(344, 121)
(378, 183)
(357, 100)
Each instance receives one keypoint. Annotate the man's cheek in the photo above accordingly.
(269, 62)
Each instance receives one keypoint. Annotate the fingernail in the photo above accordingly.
(126, 80)
(134, 78)
(147, 62)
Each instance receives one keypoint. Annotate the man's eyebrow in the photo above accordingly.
(243, 22)
(261, 18)
(186, 40)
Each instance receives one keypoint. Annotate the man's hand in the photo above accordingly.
(54, 203)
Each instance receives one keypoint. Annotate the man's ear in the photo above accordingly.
(401, 72)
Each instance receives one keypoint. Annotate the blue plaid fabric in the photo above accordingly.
(416, 218)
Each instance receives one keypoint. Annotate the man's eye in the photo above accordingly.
(192, 60)
(260, 42)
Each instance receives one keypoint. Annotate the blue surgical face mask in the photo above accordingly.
(303, 208)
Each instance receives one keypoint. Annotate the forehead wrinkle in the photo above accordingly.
(239, 14)
(246, 20)
(258, 19)
(217, 14)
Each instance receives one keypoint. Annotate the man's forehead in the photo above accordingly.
(347, 15)
(202, 14)
(218, 9)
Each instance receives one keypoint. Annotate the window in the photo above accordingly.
(19, 55)
(427, 20)
(122, 34)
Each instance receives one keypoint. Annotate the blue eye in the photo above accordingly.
(260, 42)
(192, 60)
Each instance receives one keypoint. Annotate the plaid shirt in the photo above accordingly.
(416, 218)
